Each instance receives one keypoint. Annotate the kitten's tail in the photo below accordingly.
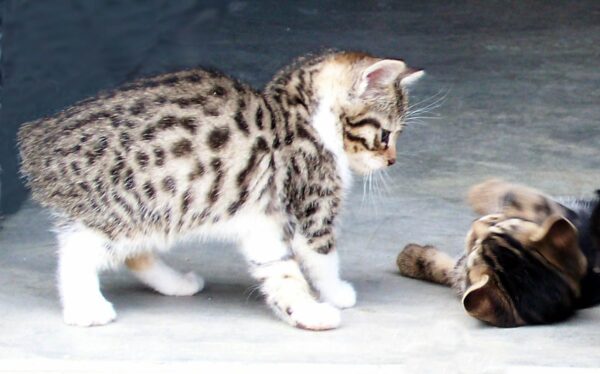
(426, 263)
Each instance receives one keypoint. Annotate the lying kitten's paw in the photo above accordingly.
(340, 294)
(314, 316)
(181, 285)
(409, 258)
(88, 314)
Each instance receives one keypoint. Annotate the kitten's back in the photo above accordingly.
(121, 158)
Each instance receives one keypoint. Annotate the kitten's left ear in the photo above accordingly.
(558, 242)
(484, 301)
(384, 73)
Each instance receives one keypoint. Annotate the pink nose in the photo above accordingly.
(391, 161)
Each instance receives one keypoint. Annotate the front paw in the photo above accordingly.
(87, 314)
(340, 294)
(408, 259)
(314, 316)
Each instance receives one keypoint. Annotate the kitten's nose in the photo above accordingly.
(391, 161)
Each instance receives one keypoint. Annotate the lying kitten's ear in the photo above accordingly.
(557, 241)
(384, 73)
(484, 301)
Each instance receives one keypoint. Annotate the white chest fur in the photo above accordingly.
(324, 121)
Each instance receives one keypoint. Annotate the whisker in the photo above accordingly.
(421, 117)
(251, 290)
(424, 108)
(364, 188)
(385, 181)
(433, 99)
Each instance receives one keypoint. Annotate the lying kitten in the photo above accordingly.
(530, 260)
(197, 154)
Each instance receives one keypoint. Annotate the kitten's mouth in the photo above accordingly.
(365, 165)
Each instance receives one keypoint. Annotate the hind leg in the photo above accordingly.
(82, 253)
(154, 273)
(513, 200)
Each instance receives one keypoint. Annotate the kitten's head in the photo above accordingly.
(372, 108)
(520, 272)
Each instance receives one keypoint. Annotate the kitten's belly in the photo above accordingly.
(250, 223)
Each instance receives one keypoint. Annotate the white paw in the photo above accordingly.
(184, 285)
(314, 316)
(87, 314)
(340, 294)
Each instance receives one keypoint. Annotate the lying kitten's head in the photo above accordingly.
(371, 102)
(520, 272)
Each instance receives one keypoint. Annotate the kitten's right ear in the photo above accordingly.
(384, 73)
(484, 301)
(558, 242)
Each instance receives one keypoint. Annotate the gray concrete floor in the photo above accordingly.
(521, 92)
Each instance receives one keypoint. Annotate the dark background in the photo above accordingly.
(520, 83)
(57, 52)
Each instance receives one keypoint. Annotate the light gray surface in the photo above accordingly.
(522, 103)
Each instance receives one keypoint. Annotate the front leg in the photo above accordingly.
(426, 263)
(320, 262)
(282, 282)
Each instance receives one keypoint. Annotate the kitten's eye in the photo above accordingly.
(385, 136)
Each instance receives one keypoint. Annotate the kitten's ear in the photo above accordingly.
(384, 73)
(484, 301)
(557, 240)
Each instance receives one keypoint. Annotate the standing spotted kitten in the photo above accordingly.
(530, 260)
(197, 154)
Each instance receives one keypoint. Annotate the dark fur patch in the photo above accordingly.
(182, 148)
(189, 124)
(218, 138)
(197, 172)
(364, 122)
(115, 171)
(159, 156)
(166, 122)
(149, 133)
(185, 201)
(142, 159)
(241, 123)
(357, 139)
(149, 190)
(125, 140)
(213, 194)
(510, 199)
(211, 111)
(168, 185)
(260, 147)
(193, 77)
(326, 248)
(138, 108)
(76, 168)
(219, 91)
(233, 208)
(170, 81)
(129, 180)
(258, 117)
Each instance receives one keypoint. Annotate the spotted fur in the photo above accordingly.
(530, 259)
(197, 153)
